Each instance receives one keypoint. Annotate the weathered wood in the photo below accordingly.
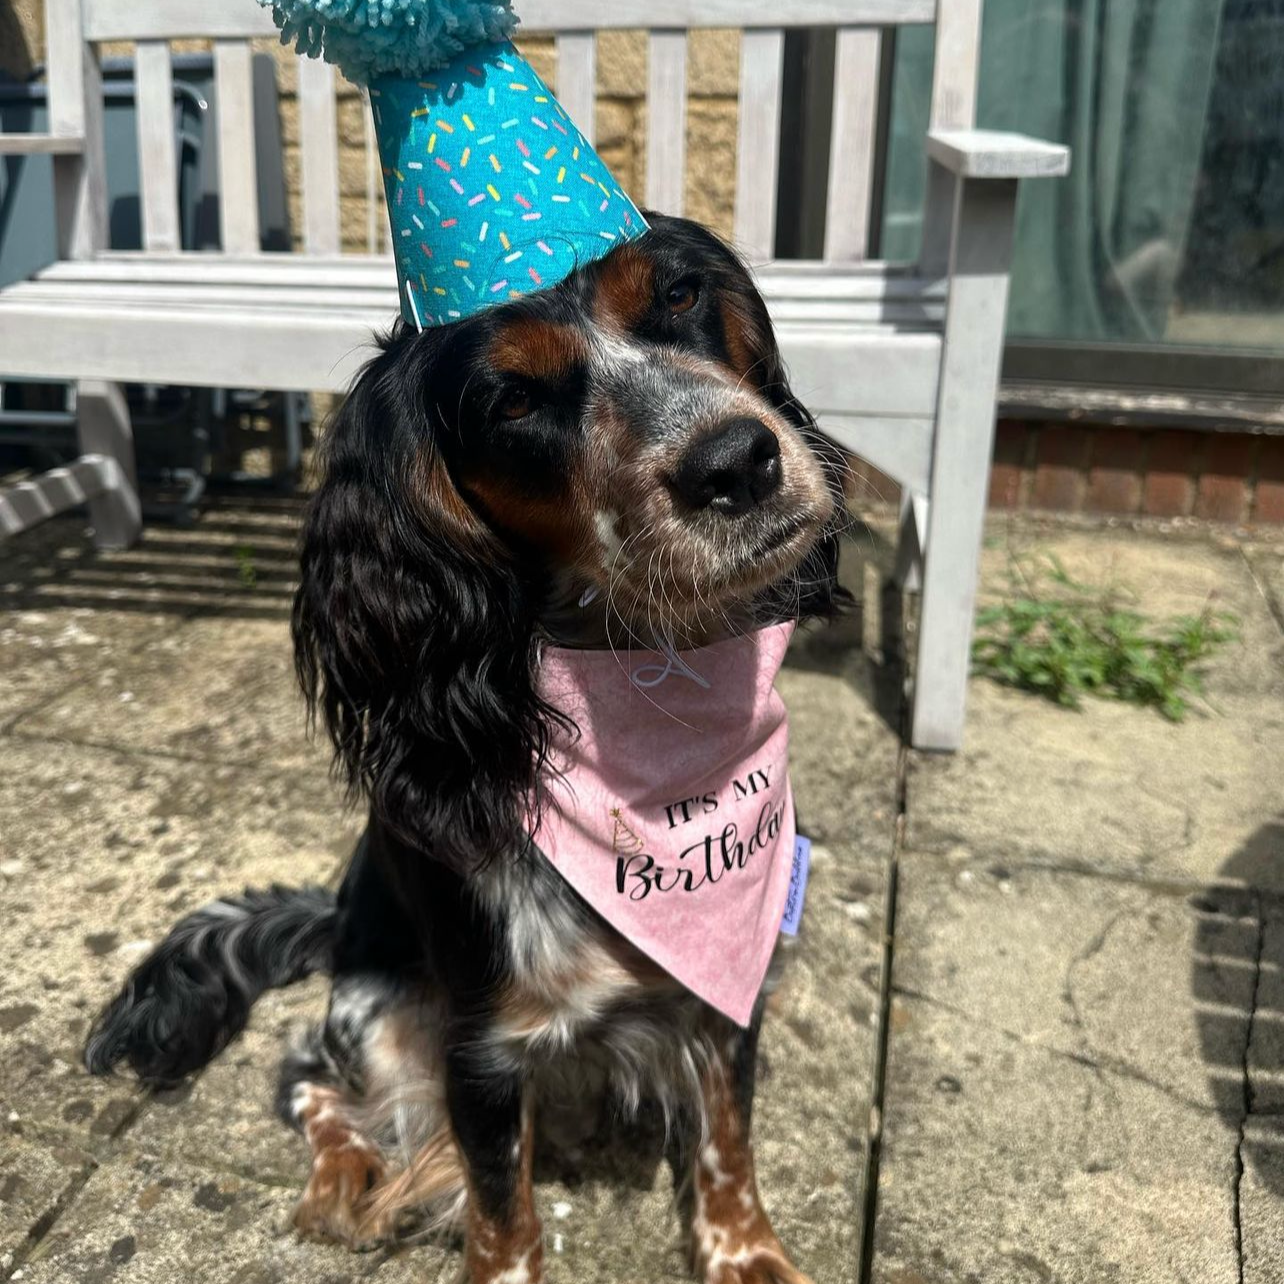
(178, 337)
(206, 294)
(322, 272)
(238, 185)
(76, 111)
(958, 52)
(318, 136)
(318, 348)
(558, 15)
(666, 130)
(851, 148)
(987, 153)
(65, 48)
(906, 313)
(907, 566)
(577, 78)
(900, 447)
(27, 503)
(157, 163)
(979, 262)
(868, 284)
(857, 370)
(40, 145)
(758, 142)
(103, 430)
(175, 20)
(378, 231)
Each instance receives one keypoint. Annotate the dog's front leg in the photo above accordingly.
(732, 1238)
(492, 1124)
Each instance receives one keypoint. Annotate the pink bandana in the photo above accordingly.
(673, 816)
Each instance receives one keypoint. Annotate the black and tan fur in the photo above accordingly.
(618, 459)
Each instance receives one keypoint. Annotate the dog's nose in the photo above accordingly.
(732, 469)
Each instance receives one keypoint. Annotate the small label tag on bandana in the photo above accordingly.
(797, 886)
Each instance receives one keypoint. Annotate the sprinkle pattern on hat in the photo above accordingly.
(492, 191)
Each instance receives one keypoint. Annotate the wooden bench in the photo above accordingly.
(900, 362)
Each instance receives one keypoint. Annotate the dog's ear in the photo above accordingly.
(413, 628)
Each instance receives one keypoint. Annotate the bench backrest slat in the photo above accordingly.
(157, 163)
(319, 140)
(577, 78)
(238, 189)
(857, 53)
(858, 66)
(666, 121)
(604, 15)
(958, 49)
(176, 20)
(762, 58)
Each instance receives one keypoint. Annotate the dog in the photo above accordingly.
(616, 459)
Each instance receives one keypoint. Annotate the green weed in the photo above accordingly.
(1064, 640)
(245, 569)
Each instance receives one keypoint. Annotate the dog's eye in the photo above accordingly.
(517, 402)
(682, 296)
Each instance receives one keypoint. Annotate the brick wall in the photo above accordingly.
(1159, 472)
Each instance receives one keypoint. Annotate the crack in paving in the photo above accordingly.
(1248, 1094)
(882, 1043)
(1273, 604)
(43, 1226)
(48, 1219)
(1096, 1062)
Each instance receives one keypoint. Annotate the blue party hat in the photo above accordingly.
(491, 189)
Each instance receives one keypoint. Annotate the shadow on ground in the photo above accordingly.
(1241, 929)
(241, 561)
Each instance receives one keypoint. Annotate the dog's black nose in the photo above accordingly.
(732, 469)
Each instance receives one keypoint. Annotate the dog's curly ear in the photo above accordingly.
(413, 629)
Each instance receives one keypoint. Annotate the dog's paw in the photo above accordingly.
(332, 1206)
(753, 1266)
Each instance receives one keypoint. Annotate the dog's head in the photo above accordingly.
(627, 435)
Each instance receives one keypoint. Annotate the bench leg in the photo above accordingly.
(981, 251)
(103, 428)
(907, 568)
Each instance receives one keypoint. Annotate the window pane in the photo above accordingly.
(1170, 228)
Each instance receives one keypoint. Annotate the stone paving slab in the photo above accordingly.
(101, 851)
(1005, 1164)
(1065, 1081)
(1267, 563)
(1110, 787)
(141, 1219)
(203, 691)
(35, 1180)
(1087, 969)
(224, 1119)
(1260, 1192)
(120, 815)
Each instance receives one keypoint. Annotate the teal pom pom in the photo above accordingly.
(370, 38)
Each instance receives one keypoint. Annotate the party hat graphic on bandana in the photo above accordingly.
(491, 189)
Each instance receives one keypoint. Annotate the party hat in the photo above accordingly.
(492, 191)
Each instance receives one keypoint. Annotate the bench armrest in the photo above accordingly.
(40, 145)
(987, 153)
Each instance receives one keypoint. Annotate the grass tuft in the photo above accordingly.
(246, 571)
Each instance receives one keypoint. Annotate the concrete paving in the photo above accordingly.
(154, 757)
(1084, 1077)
